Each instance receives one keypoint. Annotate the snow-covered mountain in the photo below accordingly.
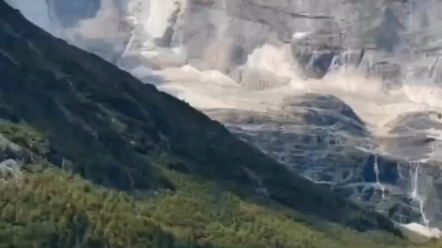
(346, 92)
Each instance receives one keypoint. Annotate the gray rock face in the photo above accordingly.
(325, 111)
(411, 134)
(323, 139)
(381, 36)
(316, 53)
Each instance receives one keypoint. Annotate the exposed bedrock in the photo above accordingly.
(323, 138)
(379, 37)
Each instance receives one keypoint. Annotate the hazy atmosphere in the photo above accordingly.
(311, 83)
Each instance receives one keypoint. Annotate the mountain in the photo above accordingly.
(321, 137)
(95, 158)
(221, 35)
(381, 59)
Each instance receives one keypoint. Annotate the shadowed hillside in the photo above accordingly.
(158, 172)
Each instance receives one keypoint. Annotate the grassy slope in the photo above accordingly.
(168, 173)
(50, 207)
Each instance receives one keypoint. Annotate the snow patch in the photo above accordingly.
(418, 233)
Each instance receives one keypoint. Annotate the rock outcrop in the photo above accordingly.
(221, 35)
(322, 138)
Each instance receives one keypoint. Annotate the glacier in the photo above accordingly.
(310, 83)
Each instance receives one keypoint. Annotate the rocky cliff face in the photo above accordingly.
(222, 35)
(373, 140)
(323, 139)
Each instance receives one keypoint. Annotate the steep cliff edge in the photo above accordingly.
(103, 124)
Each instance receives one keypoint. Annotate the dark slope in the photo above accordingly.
(115, 130)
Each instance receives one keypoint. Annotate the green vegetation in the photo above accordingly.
(110, 162)
(50, 207)
(103, 124)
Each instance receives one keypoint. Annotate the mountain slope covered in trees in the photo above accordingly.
(110, 162)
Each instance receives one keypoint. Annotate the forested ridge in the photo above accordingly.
(98, 159)
(46, 206)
